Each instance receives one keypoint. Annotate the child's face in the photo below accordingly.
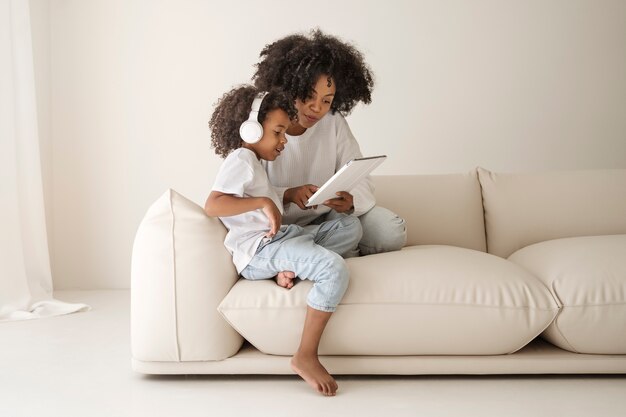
(316, 107)
(273, 140)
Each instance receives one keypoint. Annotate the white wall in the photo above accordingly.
(507, 85)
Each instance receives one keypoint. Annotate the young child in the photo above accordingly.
(247, 204)
(327, 78)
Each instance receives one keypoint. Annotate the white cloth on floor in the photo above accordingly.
(25, 273)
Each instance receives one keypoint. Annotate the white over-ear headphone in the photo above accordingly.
(251, 131)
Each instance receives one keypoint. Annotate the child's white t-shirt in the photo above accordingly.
(242, 175)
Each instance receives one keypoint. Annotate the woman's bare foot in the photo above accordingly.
(312, 371)
(285, 279)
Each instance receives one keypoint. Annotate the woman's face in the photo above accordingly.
(315, 107)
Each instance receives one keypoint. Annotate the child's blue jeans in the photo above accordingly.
(383, 231)
(311, 253)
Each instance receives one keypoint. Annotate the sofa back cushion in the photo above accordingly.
(438, 209)
(523, 209)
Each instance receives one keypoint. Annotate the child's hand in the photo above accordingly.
(342, 204)
(300, 195)
(274, 216)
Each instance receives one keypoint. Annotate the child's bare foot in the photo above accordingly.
(285, 279)
(312, 371)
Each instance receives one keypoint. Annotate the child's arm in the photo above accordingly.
(300, 195)
(224, 205)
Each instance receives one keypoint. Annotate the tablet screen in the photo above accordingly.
(346, 178)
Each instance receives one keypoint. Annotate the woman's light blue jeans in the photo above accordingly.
(313, 253)
(383, 231)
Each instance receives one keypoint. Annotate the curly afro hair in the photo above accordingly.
(296, 62)
(234, 108)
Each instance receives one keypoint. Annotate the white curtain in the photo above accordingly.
(25, 275)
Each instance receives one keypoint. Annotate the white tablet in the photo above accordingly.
(346, 178)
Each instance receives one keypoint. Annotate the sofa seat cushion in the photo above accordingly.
(587, 275)
(423, 300)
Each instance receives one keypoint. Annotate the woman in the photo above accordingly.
(327, 78)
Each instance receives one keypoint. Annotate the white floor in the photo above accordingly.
(79, 365)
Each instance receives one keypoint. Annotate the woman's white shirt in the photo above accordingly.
(314, 157)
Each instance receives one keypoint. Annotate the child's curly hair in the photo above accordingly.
(234, 108)
(295, 63)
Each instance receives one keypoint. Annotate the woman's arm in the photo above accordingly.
(225, 205)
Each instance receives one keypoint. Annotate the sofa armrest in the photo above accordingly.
(180, 273)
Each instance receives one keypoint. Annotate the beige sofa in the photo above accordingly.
(502, 273)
